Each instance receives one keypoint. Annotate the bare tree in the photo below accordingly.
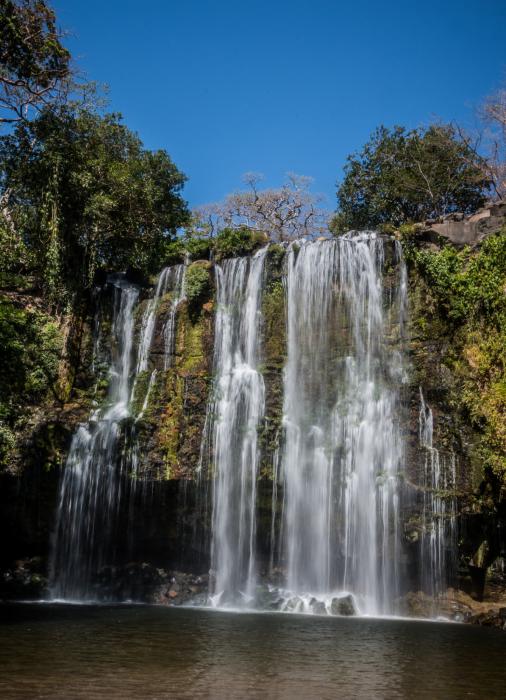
(494, 116)
(284, 213)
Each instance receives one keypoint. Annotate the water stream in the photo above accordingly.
(91, 484)
(342, 445)
(439, 524)
(94, 483)
(237, 409)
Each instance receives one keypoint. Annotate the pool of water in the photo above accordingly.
(81, 651)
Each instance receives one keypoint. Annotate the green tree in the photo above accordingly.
(83, 194)
(401, 176)
(35, 69)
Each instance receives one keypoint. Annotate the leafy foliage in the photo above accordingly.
(83, 194)
(197, 283)
(403, 176)
(468, 287)
(31, 350)
(469, 292)
(35, 67)
(31, 345)
(233, 242)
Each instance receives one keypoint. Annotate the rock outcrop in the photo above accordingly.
(469, 230)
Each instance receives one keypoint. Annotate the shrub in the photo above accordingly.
(234, 242)
(199, 248)
(198, 284)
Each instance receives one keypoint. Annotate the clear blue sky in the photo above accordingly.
(283, 85)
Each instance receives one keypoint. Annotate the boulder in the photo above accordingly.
(343, 606)
(317, 607)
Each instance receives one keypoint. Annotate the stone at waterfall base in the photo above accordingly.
(343, 606)
(454, 605)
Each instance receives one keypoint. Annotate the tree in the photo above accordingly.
(402, 176)
(284, 213)
(35, 69)
(83, 194)
(494, 115)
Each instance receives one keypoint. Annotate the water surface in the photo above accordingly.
(63, 651)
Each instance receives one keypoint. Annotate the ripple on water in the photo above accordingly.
(62, 651)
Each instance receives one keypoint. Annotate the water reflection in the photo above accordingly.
(143, 652)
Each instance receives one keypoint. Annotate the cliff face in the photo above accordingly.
(455, 361)
(457, 341)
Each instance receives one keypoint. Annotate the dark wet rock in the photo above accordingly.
(317, 607)
(182, 589)
(451, 605)
(492, 618)
(268, 598)
(343, 606)
(416, 604)
(143, 582)
(26, 580)
(294, 604)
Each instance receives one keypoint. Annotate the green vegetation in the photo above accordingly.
(197, 284)
(467, 290)
(469, 287)
(406, 176)
(79, 196)
(232, 242)
(31, 349)
(83, 195)
(229, 243)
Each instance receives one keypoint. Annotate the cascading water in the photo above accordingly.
(171, 278)
(93, 481)
(335, 509)
(342, 443)
(439, 532)
(176, 282)
(236, 411)
(90, 490)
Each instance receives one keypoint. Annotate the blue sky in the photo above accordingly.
(287, 85)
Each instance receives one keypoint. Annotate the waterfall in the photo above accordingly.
(170, 279)
(236, 410)
(93, 482)
(342, 444)
(176, 281)
(334, 526)
(148, 320)
(439, 533)
(90, 488)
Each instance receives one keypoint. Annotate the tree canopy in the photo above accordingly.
(35, 68)
(80, 193)
(402, 176)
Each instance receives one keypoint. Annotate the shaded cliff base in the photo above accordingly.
(163, 558)
(143, 582)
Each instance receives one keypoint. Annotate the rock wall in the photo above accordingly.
(457, 314)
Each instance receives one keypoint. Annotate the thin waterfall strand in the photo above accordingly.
(90, 490)
(438, 540)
